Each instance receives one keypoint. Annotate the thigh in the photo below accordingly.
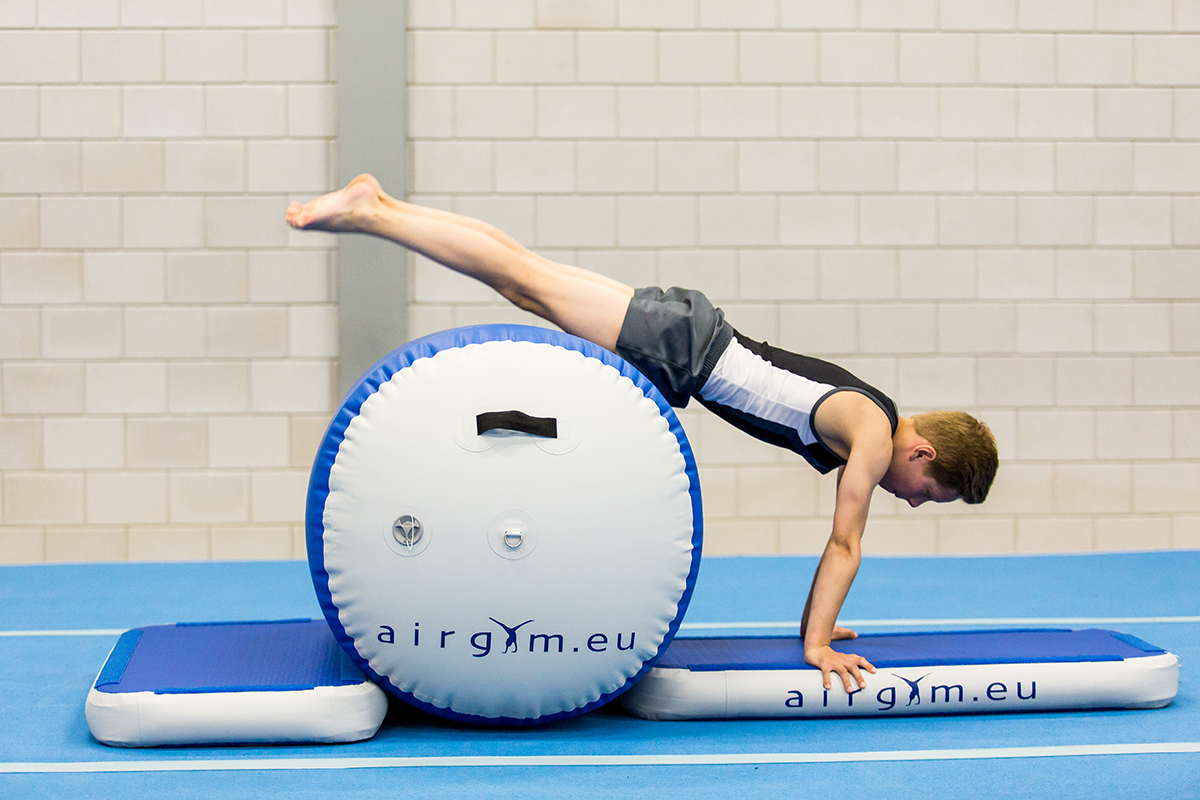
(590, 309)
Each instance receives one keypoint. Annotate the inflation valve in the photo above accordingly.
(407, 530)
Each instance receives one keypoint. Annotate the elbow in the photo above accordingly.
(845, 545)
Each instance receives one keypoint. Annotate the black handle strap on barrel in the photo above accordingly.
(546, 427)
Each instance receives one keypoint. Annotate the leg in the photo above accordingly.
(578, 301)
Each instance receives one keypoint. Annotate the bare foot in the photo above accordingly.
(347, 209)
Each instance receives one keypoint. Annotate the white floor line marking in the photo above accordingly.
(881, 623)
(788, 624)
(632, 759)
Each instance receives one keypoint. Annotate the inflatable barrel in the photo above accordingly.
(504, 524)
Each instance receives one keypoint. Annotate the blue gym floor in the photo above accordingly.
(58, 622)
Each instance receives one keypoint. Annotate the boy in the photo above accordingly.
(687, 349)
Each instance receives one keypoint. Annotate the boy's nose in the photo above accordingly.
(915, 501)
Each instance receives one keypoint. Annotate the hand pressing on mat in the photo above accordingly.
(847, 666)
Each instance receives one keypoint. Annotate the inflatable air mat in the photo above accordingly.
(964, 672)
(248, 682)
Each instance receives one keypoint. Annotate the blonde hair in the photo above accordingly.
(966, 458)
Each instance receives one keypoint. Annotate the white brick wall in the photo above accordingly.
(166, 349)
(994, 205)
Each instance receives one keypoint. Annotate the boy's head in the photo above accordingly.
(966, 459)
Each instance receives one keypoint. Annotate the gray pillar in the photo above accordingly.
(372, 86)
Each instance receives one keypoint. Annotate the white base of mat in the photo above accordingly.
(675, 694)
(323, 714)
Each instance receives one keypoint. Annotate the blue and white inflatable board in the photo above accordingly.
(504, 524)
(245, 682)
(966, 672)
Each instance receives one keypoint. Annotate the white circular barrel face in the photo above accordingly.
(505, 530)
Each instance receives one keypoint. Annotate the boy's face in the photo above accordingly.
(908, 481)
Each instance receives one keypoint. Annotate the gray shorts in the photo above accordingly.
(674, 338)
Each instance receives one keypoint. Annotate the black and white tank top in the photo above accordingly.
(772, 394)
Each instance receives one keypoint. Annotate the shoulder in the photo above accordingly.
(850, 420)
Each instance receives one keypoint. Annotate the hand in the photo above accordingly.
(843, 633)
(846, 665)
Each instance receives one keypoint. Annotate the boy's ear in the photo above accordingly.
(922, 451)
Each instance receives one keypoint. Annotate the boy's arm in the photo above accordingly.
(838, 632)
(866, 465)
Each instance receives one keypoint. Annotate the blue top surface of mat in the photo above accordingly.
(287, 655)
(911, 649)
